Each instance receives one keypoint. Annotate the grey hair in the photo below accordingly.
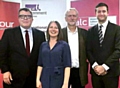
(70, 10)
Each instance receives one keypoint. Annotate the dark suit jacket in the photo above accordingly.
(82, 33)
(13, 56)
(109, 53)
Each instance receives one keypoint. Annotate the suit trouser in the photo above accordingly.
(104, 81)
(74, 80)
(30, 82)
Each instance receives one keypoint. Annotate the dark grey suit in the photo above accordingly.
(83, 70)
(13, 57)
(109, 53)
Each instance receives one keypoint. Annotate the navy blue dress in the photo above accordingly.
(54, 62)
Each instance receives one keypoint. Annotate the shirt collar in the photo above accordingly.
(76, 30)
(23, 29)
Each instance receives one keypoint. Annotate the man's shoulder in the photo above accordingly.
(64, 29)
(113, 24)
(37, 30)
(92, 28)
(83, 31)
(12, 29)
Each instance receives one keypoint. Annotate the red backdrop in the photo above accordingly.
(86, 9)
(8, 15)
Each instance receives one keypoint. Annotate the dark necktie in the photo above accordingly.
(27, 43)
(100, 35)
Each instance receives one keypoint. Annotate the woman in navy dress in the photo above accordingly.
(54, 60)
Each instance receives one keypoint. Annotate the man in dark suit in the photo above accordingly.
(103, 48)
(19, 54)
(76, 38)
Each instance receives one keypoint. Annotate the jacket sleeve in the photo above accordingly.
(4, 52)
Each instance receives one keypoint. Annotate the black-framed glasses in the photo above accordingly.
(25, 16)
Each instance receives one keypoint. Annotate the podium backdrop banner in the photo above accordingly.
(86, 9)
(8, 15)
(45, 11)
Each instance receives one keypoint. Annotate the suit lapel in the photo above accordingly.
(82, 49)
(65, 34)
(108, 32)
(80, 43)
(79, 38)
(34, 39)
(19, 40)
(95, 34)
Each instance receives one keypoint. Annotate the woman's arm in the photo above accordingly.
(38, 83)
(66, 77)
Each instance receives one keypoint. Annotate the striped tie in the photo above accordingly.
(100, 35)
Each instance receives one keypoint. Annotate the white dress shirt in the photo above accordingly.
(30, 36)
(74, 47)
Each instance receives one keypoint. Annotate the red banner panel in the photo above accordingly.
(8, 15)
(86, 9)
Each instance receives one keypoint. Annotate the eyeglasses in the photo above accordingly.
(25, 16)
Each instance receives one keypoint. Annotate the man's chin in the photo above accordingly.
(26, 27)
(102, 21)
(72, 24)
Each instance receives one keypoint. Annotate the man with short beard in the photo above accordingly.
(76, 38)
(103, 48)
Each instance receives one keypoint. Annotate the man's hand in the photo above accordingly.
(99, 70)
(104, 73)
(7, 78)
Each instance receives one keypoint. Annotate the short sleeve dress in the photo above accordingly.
(54, 62)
